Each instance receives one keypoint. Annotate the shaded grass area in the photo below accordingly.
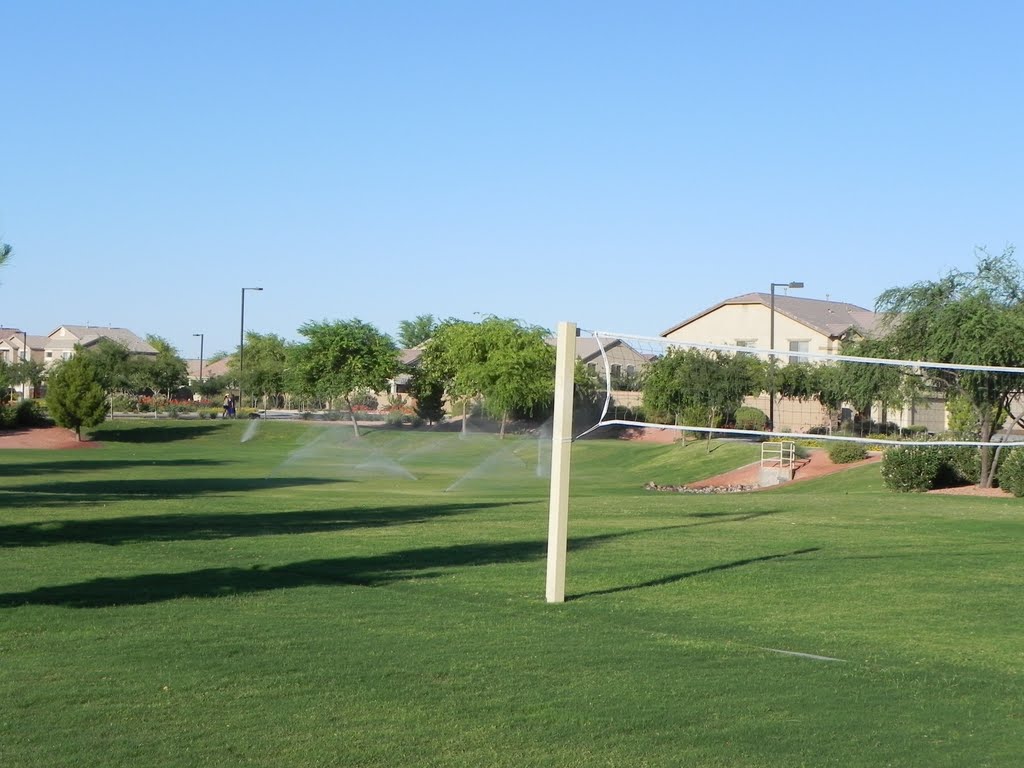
(306, 599)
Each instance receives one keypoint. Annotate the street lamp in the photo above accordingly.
(202, 338)
(771, 346)
(24, 350)
(241, 346)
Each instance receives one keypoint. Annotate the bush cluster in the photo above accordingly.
(911, 468)
(964, 463)
(1011, 472)
(750, 418)
(846, 453)
(921, 468)
(27, 413)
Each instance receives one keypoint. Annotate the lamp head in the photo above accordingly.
(796, 284)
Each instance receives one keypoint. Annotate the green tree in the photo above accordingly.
(167, 371)
(211, 386)
(5, 253)
(450, 359)
(412, 333)
(74, 396)
(518, 374)
(827, 388)
(31, 371)
(702, 388)
(974, 318)
(508, 364)
(429, 395)
(266, 358)
(6, 379)
(868, 385)
(341, 357)
(110, 361)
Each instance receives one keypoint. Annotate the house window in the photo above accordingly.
(746, 343)
(630, 370)
(616, 370)
(49, 354)
(3, 355)
(799, 346)
(592, 367)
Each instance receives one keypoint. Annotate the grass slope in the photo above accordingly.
(179, 597)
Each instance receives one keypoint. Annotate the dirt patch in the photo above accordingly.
(817, 464)
(46, 438)
(973, 490)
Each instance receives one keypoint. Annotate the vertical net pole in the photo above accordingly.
(561, 446)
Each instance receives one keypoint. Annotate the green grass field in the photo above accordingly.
(179, 597)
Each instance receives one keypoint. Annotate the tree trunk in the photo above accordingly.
(504, 418)
(463, 417)
(352, 417)
(987, 465)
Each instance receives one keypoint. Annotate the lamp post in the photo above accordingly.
(202, 338)
(771, 346)
(24, 351)
(241, 346)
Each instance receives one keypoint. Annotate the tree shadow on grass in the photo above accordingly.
(109, 491)
(199, 527)
(14, 469)
(371, 571)
(368, 571)
(157, 432)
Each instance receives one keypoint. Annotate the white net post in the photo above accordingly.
(561, 447)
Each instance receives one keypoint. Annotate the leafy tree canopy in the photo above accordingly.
(266, 362)
(111, 362)
(697, 385)
(74, 396)
(167, 371)
(342, 356)
(508, 363)
(412, 333)
(972, 318)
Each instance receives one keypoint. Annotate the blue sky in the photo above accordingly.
(621, 165)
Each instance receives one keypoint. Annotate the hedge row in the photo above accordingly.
(922, 468)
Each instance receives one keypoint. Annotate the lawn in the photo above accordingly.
(281, 594)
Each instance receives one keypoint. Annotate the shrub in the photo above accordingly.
(963, 463)
(395, 419)
(363, 399)
(913, 468)
(846, 453)
(1011, 472)
(750, 418)
(30, 413)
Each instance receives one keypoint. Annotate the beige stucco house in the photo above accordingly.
(16, 345)
(800, 325)
(61, 343)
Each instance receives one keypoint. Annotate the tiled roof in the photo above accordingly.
(832, 318)
(90, 334)
(412, 355)
(216, 368)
